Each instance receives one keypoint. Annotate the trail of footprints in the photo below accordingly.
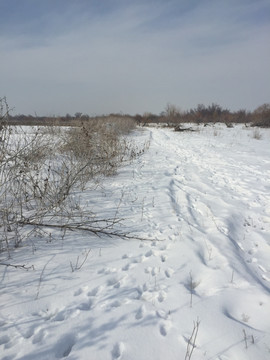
(151, 291)
(151, 294)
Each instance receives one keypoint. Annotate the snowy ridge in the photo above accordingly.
(201, 200)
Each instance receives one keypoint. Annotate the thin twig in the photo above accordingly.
(41, 275)
(245, 338)
(192, 340)
(77, 266)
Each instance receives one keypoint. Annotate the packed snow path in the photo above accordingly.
(202, 199)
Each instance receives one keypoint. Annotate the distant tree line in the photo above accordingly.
(209, 114)
(171, 115)
(68, 120)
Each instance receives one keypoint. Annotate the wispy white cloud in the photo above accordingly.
(137, 56)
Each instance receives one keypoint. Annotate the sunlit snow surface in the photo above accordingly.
(203, 200)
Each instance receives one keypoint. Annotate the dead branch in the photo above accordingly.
(81, 227)
(18, 266)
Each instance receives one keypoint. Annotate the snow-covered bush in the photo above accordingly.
(40, 168)
(98, 146)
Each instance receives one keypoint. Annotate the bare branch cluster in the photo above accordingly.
(40, 169)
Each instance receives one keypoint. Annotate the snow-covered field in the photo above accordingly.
(201, 200)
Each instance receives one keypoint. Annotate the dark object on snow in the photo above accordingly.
(181, 129)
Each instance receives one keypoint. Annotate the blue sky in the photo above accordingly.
(103, 56)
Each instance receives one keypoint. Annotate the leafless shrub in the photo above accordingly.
(79, 264)
(100, 144)
(40, 168)
(191, 286)
(172, 112)
(261, 116)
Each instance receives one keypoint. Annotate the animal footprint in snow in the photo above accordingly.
(169, 272)
(64, 346)
(107, 270)
(116, 304)
(154, 271)
(140, 313)
(163, 258)
(65, 314)
(9, 343)
(60, 315)
(86, 305)
(113, 281)
(118, 350)
(164, 328)
(4, 339)
(148, 270)
(143, 291)
(96, 291)
(128, 267)
(138, 260)
(164, 247)
(39, 336)
(162, 296)
(116, 281)
(78, 292)
(28, 333)
(149, 253)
